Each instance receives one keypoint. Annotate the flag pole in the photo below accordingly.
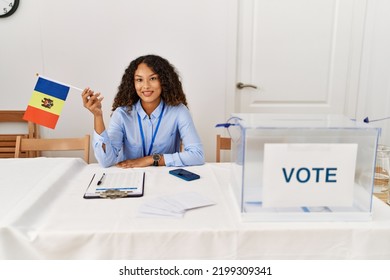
(76, 88)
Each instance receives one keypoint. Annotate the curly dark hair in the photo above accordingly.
(171, 88)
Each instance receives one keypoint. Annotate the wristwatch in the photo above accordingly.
(156, 158)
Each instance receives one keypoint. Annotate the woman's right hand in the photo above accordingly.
(92, 101)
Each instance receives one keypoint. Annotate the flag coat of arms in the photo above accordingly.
(46, 103)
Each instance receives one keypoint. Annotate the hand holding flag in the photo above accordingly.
(92, 101)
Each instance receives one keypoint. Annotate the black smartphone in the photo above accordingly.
(184, 174)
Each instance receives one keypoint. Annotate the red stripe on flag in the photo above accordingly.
(41, 117)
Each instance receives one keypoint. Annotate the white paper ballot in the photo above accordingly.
(174, 205)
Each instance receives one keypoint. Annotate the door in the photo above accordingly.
(298, 56)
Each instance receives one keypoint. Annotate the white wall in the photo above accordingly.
(91, 42)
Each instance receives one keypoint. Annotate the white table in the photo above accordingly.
(43, 215)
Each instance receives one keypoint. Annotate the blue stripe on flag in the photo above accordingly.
(52, 88)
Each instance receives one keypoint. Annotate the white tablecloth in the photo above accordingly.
(43, 215)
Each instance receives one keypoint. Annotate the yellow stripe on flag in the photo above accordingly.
(46, 102)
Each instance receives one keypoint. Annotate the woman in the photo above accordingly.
(150, 119)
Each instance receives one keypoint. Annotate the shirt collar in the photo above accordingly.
(155, 114)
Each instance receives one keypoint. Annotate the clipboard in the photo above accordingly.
(116, 185)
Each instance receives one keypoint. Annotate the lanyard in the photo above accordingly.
(153, 134)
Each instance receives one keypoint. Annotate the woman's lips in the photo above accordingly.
(147, 93)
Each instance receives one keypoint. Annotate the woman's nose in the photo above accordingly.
(146, 84)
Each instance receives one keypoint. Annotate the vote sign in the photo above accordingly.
(298, 175)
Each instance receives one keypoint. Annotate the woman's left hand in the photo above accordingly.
(138, 162)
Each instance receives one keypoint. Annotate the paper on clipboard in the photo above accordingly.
(125, 184)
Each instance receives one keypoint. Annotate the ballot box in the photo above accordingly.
(290, 167)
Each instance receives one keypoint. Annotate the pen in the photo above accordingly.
(101, 179)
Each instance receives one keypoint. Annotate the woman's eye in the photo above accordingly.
(138, 80)
(153, 78)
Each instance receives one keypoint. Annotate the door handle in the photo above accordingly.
(242, 85)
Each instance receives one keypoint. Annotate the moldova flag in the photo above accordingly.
(46, 103)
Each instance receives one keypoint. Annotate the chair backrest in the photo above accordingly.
(8, 141)
(60, 144)
(223, 143)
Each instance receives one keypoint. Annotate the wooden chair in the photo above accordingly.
(60, 144)
(223, 143)
(8, 141)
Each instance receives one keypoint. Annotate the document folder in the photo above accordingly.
(116, 185)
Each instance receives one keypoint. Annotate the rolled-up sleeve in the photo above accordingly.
(106, 157)
(192, 155)
(113, 143)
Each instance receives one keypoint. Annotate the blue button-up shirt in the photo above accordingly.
(123, 139)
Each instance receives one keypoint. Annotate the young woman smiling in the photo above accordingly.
(150, 119)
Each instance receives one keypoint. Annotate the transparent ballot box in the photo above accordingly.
(302, 167)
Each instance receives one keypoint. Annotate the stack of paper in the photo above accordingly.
(174, 205)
